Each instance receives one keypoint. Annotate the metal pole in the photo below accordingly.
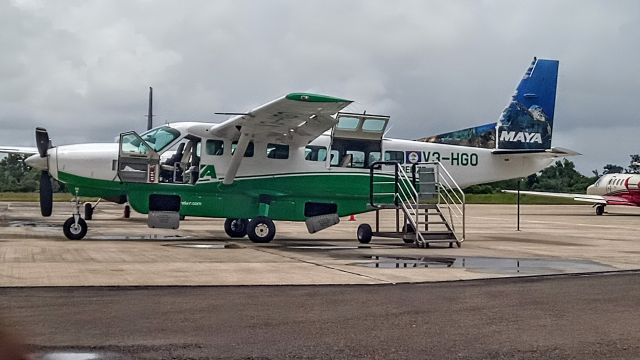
(150, 111)
(519, 182)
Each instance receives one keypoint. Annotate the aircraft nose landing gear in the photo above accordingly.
(75, 228)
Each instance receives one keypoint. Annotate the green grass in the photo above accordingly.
(16, 196)
(502, 198)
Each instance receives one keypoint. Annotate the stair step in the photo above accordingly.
(432, 236)
(436, 233)
(431, 222)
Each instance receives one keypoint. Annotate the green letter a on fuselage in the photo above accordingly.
(207, 173)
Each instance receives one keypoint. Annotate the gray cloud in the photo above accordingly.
(82, 68)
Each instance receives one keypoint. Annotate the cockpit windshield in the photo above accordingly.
(159, 138)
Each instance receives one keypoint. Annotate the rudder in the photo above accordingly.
(527, 122)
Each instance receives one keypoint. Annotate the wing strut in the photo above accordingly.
(243, 142)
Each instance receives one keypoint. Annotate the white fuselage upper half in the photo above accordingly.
(615, 184)
(467, 165)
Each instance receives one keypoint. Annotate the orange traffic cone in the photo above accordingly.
(352, 218)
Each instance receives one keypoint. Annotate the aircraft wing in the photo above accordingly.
(594, 199)
(296, 117)
(18, 150)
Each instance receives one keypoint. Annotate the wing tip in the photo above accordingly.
(310, 97)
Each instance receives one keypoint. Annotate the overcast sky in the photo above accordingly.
(82, 68)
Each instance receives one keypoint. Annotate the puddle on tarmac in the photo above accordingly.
(142, 237)
(486, 264)
(26, 223)
(206, 246)
(326, 247)
(73, 356)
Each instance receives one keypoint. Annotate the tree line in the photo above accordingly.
(562, 176)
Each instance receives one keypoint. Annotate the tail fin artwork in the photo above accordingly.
(527, 121)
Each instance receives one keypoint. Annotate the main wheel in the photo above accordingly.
(236, 228)
(364, 233)
(75, 231)
(599, 209)
(127, 211)
(261, 229)
(88, 211)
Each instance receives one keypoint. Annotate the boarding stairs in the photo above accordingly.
(429, 205)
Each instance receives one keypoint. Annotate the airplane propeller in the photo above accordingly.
(43, 143)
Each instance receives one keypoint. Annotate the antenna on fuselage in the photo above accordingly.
(150, 111)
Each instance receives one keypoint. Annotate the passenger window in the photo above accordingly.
(357, 158)
(373, 157)
(215, 147)
(315, 153)
(277, 151)
(335, 158)
(397, 156)
(247, 153)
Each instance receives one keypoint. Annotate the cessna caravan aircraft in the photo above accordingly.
(610, 189)
(296, 158)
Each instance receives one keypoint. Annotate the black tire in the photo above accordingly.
(236, 228)
(73, 232)
(261, 230)
(364, 233)
(408, 228)
(599, 210)
(88, 211)
(127, 211)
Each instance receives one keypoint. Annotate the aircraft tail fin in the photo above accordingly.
(526, 123)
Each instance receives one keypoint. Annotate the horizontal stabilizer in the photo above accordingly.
(18, 150)
(594, 199)
(554, 152)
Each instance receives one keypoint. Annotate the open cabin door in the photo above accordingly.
(357, 139)
(137, 161)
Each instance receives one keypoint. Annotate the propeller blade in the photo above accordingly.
(42, 141)
(46, 194)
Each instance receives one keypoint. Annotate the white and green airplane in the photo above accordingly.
(294, 158)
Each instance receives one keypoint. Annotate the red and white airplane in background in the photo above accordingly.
(610, 189)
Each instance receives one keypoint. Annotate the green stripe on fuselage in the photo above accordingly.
(289, 193)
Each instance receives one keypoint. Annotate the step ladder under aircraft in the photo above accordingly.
(429, 205)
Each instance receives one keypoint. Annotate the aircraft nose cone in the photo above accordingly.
(37, 162)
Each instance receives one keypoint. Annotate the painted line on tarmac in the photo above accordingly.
(322, 265)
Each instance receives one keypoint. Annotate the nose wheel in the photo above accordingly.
(75, 228)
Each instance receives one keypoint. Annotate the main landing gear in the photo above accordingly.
(600, 209)
(90, 208)
(75, 228)
(236, 228)
(260, 229)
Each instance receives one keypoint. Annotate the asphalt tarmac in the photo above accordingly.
(560, 317)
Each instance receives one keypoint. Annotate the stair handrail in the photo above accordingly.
(450, 186)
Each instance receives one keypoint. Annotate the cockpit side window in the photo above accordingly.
(160, 138)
